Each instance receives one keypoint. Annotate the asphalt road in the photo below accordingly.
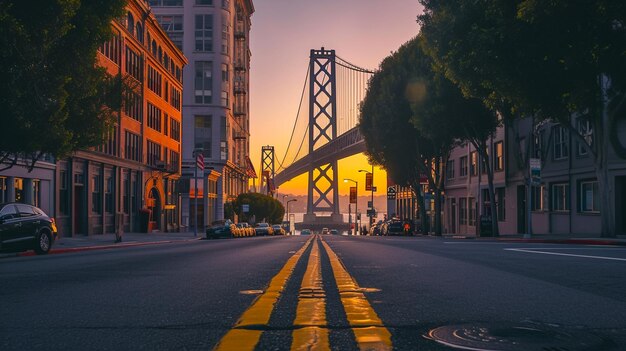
(338, 292)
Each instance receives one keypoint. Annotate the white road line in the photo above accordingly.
(572, 255)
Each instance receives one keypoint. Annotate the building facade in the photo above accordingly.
(135, 175)
(36, 187)
(215, 37)
(564, 201)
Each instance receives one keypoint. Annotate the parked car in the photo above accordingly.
(334, 232)
(263, 229)
(278, 230)
(245, 229)
(221, 229)
(324, 230)
(25, 227)
(305, 232)
(395, 228)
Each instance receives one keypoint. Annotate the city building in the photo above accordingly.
(36, 187)
(214, 35)
(135, 175)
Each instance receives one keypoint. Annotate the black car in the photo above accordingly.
(25, 227)
(220, 229)
(395, 228)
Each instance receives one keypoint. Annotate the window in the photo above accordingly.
(205, 146)
(473, 163)
(537, 198)
(139, 34)
(153, 153)
(204, 33)
(134, 64)
(224, 99)
(225, 35)
(501, 203)
(203, 82)
(166, 3)
(108, 195)
(19, 190)
(225, 74)
(96, 206)
(203, 121)
(173, 26)
(498, 164)
(154, 117)
(174, 129)
(130, 23)
(560, 197)
(132, 149)
(463, 166)
(126, 190)
(538, 144)
(111, 49)
(166, 124)
(472, 211)
(175, 98)
(204, 2)
(154, 80)
(133, 106)
(586, 131)
(174, 160)
(223, 150)
(450, 169)
(484, 164)
(561, 137)
(110, 142)
(588, 197)
(3, 190)
(463, 211)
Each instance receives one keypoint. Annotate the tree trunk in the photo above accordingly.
(607, 210)
(437, 211)
(417, 189)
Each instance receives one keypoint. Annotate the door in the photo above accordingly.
(620, 204)
(29, 222)
(452, 215)
(79, 210)
(10, 225)
(521, 209)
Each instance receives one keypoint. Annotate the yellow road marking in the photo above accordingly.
(368, 328)
(258, 314)
(311, 311)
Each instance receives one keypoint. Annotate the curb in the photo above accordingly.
(100, 247)
(567, 241)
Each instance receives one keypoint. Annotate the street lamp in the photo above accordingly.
(345, 180)
(288, 201)
(371, 214)
(284, 196)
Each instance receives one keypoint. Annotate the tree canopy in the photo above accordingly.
(55, 98)
(262, 207)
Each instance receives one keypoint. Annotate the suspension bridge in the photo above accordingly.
(325, 130)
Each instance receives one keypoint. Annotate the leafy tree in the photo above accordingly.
(55, 98)
(391, 140)
(551, 60)
(261, 207)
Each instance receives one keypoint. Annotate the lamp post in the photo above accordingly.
(345, 180)
(284, 204)
(371, 215)
(288, 201)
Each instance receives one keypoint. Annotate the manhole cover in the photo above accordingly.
(514, 337)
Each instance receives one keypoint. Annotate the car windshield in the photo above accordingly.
(263, 225)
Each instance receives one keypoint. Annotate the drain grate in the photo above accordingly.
(514, 337)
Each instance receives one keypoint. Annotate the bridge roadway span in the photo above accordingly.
(347, 144)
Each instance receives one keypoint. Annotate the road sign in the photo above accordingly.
(245, 208)
(368, 181)
(200, 161)
(391, 193)
(535, 171)
(374, 189)
(370, 204)
(352, 194)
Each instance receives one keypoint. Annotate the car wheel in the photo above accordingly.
(43, 243)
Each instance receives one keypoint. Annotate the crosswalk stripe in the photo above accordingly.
(258, 314)
(368, 328)
(311, 310)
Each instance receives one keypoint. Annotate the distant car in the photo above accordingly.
(305, 232)
(334, 232)
(278, 230)
(324, 230)
(221, 229)
(395, 228)
(263, 229)
(25, 227)
(245, 229)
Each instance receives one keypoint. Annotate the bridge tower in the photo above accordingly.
(267, 170)
(323, 182)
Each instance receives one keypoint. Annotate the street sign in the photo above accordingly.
(245, 208)
(535, 171)
(391, 193)
(374, 189)
(369, 177)
(370, 204)
(352, 194)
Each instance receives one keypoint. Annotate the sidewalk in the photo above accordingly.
(107, 241)
(578, 239)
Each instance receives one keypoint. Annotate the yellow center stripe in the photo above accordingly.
(369, 331)
(258, 314)
(311, 312)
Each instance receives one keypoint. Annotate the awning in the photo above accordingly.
(250, 172)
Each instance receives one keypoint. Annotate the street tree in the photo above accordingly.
(558, 61)
(391, 140)
(55, 98)
(445, 119)
(261, 207)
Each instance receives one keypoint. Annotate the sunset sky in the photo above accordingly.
(362, 32)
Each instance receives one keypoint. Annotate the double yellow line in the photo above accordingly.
(310, 325)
